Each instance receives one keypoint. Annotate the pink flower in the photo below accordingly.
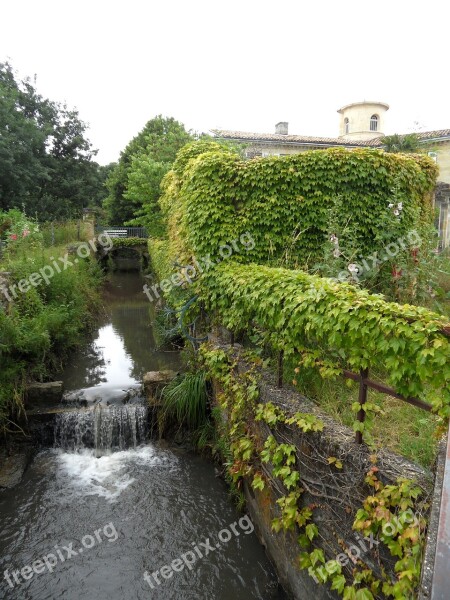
(13, 236)
(25, 232)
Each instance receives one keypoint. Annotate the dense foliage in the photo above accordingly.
(289, 204)
(335, 325)
(46, 161)
(42, 324)
(401, 143)
(134, 183)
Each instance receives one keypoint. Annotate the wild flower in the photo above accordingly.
(334, 239)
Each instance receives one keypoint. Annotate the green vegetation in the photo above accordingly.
(293, 205)
(134, 183)
(365, 200)
(40, 327)
(65, 232)
(128, 242)
(46, 162)
(388, 513)
(331, 326)
(323, 212)
(185, 400)
(401, 143)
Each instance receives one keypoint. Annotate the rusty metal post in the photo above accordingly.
(362, 399)
(280, 369)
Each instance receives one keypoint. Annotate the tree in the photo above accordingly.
(46, 161)
(401, 143)
(134, 185)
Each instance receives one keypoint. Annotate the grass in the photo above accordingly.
(40, 326)
(185, 400)
(58, 234)
(400, 427)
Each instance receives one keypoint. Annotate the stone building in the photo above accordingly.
(361, 125)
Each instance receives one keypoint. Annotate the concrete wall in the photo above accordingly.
(442, 149)
(335, 494)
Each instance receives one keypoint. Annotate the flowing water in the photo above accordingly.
(108, 514)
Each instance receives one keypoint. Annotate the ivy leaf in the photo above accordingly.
(338, 583)
(364, 594)
(311, 531)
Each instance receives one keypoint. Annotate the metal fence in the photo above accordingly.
(123, 232)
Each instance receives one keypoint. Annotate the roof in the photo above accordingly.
(433, 135)
(373, 103)
(289, 139)
(320, 141)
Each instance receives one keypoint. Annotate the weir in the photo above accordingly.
(103, 428)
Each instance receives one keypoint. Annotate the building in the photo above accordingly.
(361, 125)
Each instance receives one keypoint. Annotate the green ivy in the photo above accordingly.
(308, 316)
(286, 202)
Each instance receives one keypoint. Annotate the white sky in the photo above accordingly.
(242, 65)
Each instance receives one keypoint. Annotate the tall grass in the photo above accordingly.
(57, 233)
(40, 326)
(185, 400)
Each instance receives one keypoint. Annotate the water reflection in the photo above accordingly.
(124, 347)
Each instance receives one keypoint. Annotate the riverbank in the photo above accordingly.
(48, 297)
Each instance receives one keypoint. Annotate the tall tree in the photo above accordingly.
(135, 181)
(46, 161)
(401, 143)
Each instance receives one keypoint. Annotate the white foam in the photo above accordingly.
(86, 475)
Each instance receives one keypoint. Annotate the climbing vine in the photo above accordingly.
(286, 202)
(391, 514)
(333, 326)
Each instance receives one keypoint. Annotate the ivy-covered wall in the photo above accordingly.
(289, 203)
(334, 326)
(291, 206)
(336, 519)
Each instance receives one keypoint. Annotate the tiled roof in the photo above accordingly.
(278, 137)
(309, 140)
(431, 135)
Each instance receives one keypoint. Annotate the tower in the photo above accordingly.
(362, 120)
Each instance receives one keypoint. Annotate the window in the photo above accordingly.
(433, 155)
(374, 123)
(346, 125)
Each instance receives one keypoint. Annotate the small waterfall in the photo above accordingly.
(104, 428)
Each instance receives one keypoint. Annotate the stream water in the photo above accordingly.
(108, 514)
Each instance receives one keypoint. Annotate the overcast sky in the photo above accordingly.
(242, 65)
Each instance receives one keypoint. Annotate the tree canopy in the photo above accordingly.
(134, 183)
(46, 161)
(401, 143)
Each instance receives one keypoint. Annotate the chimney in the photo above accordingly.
(282, 128)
